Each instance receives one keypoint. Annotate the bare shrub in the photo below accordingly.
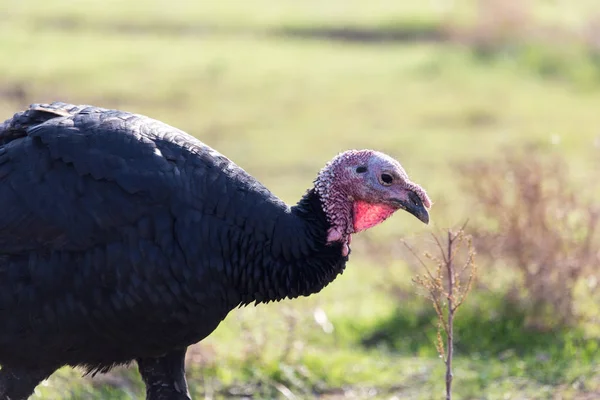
(502, 21)
(496, 24)
(532, 216)
(591, 34)
(512, 30)
(446, 286)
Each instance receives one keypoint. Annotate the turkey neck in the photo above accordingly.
(299, 261)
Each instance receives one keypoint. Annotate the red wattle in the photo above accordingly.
(367, 215)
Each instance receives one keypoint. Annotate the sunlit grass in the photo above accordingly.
(281, 106)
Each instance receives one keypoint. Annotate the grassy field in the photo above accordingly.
(282, 86)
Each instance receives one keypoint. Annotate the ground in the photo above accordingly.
(280, 87)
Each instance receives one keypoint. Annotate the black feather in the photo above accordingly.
(124, 238)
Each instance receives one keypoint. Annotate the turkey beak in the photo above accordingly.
(415, 206)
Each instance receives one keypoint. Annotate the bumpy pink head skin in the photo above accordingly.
(361, 188)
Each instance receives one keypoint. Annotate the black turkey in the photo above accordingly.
(123, 238)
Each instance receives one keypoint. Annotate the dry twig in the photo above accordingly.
(447, 286)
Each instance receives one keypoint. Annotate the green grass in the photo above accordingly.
(246, 78)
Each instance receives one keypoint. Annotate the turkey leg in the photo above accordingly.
(165, 376)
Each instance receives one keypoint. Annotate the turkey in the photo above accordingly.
(124, 239)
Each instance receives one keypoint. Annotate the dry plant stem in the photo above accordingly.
(447, 293)
(450, 338)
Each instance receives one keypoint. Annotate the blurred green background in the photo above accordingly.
(492, 105)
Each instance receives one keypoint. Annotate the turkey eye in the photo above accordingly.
(361, 169)
(386, 179)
